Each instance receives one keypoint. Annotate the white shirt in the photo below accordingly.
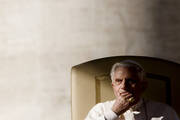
(143, 110)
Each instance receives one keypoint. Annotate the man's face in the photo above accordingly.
(127, 80)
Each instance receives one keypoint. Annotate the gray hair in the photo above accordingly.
(130, 64)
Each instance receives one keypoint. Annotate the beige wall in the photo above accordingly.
(40, 40)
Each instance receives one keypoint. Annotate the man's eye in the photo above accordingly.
(131, 81)
(118, 80)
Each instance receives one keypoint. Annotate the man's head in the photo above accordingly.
(128, 76)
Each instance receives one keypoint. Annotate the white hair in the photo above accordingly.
(130, 64)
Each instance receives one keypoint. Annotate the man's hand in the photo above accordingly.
(123, 102)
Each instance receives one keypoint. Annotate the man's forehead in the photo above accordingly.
(125, 71)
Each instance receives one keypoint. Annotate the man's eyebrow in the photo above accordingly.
(131, 79)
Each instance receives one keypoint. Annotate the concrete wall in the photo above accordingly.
(40, 40)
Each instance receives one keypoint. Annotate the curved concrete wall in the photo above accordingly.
(41, 40)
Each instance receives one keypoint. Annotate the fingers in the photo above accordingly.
(123, 102)
(125, 94)
(126, 97)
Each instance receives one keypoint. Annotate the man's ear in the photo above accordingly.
(112, 84)
(144, 85)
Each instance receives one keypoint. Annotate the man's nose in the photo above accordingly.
(123, 84)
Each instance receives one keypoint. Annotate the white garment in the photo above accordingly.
(155, 111)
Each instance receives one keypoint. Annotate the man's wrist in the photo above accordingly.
(111, 115)
(118, 112)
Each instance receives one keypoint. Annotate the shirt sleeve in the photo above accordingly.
(98, 113)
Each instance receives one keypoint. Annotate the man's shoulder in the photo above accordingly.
(159, 106)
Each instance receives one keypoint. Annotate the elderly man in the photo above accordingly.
(128, 84)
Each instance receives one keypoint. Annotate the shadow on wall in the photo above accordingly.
(153, 29)
(166, 23)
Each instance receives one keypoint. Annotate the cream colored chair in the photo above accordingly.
(91, 83)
